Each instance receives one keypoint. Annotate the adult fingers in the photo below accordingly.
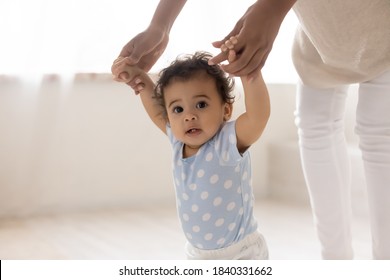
(127, 49)
(135, 55)
(235, 31)
(118, 66)
(247, 66)
(217, 44)
(223, 55)
(133, 52)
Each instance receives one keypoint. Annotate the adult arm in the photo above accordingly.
(147, 47)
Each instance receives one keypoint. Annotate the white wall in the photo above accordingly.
(90, 145)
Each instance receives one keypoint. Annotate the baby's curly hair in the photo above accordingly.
(187, 67)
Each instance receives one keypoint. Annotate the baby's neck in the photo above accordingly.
(189, 151)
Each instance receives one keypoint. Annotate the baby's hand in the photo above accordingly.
(131, 75)
(137, 84)
(119, 74)
(228, 46)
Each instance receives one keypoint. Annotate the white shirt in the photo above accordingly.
(341, 41)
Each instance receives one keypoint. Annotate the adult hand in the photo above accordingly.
(132, 74)
(144, 49)
(255, 32)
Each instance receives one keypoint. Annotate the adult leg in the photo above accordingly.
(326, 165)
(373, 128)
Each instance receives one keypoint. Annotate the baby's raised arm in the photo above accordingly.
(143, 85)
(250, 125)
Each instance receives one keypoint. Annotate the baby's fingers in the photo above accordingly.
(137, 85)
(228, 47)
(227, 51)
(231, 56)
(230, 43)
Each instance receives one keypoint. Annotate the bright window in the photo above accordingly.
(73, 36)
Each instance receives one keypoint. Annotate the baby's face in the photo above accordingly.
(195, 110)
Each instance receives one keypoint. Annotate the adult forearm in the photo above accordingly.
(167, 12)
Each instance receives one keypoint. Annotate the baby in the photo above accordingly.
(192, 104)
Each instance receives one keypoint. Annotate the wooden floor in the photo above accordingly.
(155, 234)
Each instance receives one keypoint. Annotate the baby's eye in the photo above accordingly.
(201, 105)
(177, 110)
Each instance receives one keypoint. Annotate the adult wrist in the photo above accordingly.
(166, 13)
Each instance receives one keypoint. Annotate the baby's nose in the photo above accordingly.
(190, 117)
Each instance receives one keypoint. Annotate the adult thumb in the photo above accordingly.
(132, 53)
(134, 56)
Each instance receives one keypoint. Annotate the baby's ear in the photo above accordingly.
(228, 111)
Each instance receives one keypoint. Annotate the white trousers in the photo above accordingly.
(326, 164)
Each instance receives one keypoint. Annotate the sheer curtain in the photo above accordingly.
(84, 36)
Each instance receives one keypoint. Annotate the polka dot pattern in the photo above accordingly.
(214, 193)
(206, 217)
(204, 195)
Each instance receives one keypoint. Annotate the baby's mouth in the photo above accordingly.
(193, 131)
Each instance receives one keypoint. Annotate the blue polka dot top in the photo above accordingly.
(214, 191)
